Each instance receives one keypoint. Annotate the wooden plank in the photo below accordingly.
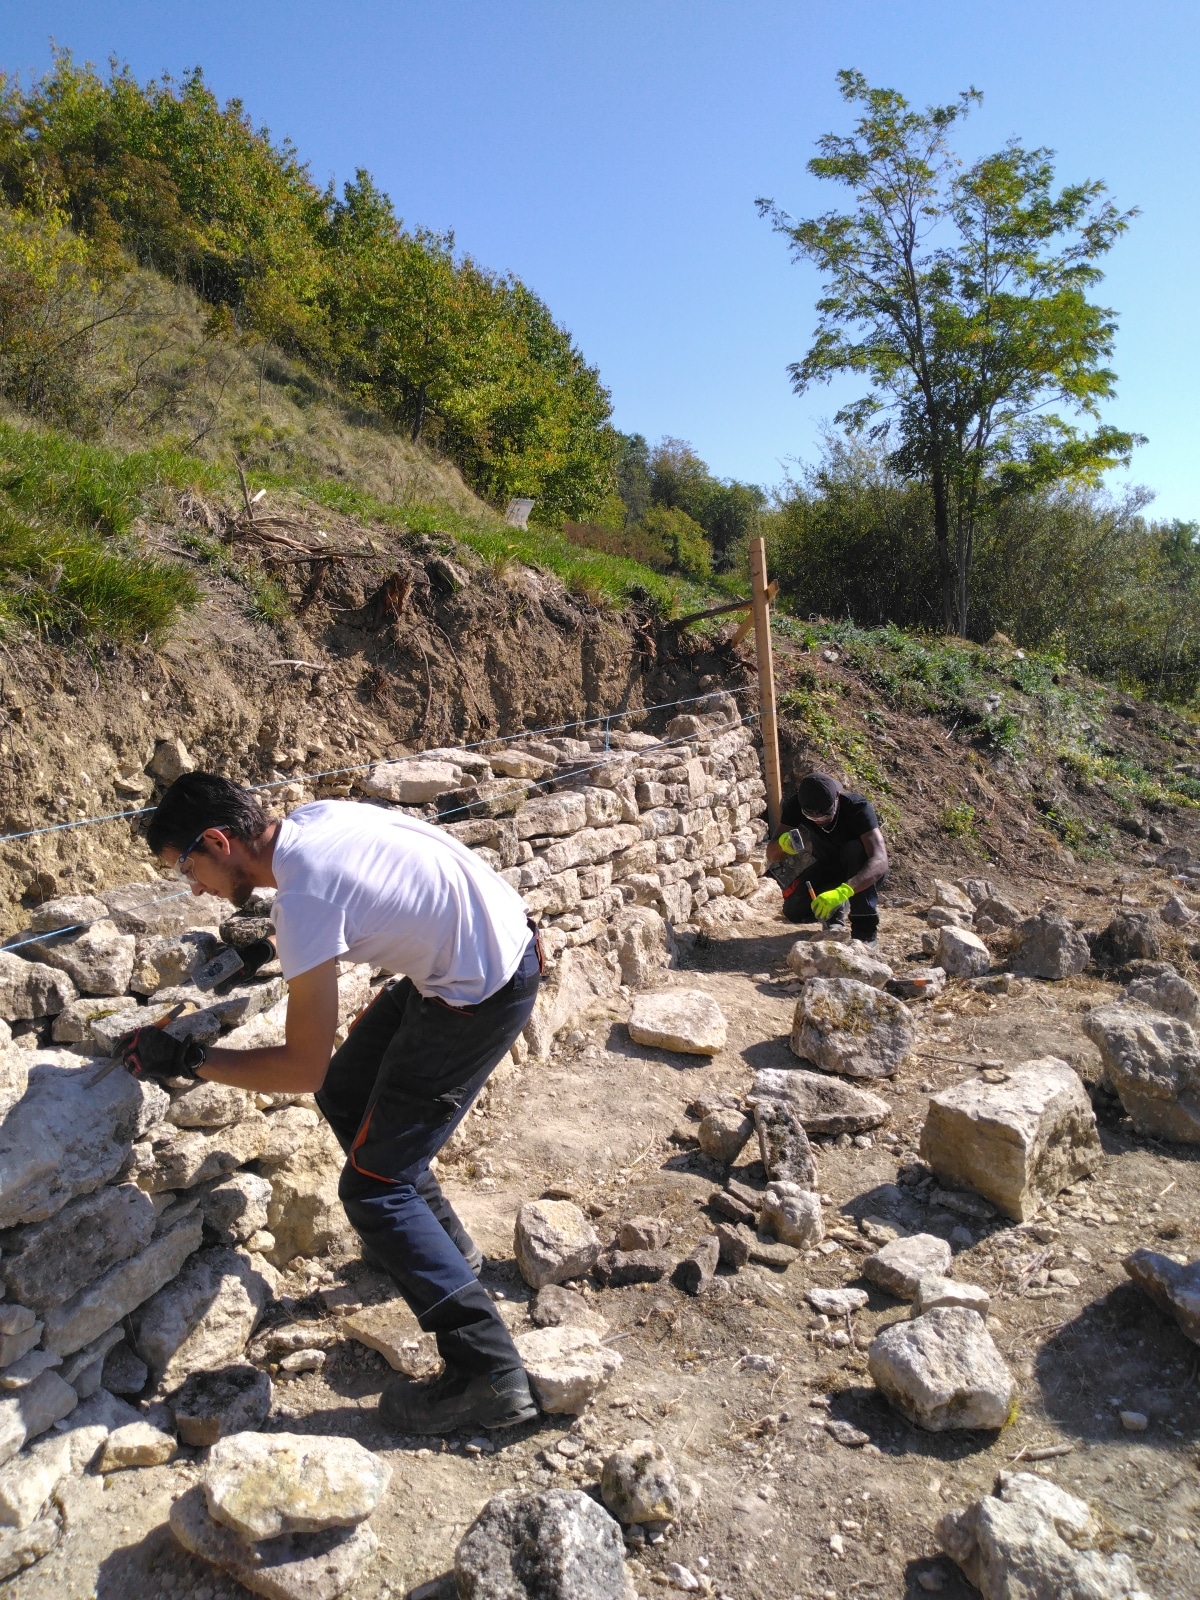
(702, 616)
(766, 681)
(743, 628)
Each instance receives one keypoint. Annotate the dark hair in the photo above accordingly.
(818, 794)
(201, 800)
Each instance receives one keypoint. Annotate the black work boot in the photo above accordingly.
(457, 1399)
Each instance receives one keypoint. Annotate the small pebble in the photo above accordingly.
(1135, 1421)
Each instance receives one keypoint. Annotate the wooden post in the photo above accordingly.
(766, 681)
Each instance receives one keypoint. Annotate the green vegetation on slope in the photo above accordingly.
(98, 176)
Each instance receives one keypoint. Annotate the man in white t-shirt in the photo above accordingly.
(365, 884)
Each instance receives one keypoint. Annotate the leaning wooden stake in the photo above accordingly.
(766, 680)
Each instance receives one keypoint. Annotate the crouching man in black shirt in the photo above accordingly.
(841, 832)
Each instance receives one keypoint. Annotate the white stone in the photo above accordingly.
(98, 961)
(900, 1265)
(69, 1134)
(961, 953)
(824, 1104)
(32, 989)
(552, 815)
(236, 1207)
(724, 1133)
(209, 1105)
(1017, 1143)
(264, 1485)
(827, 958)
(638, 1484)
(298, 1566)
(949, 894)
(48, 1262)
(566, 1366)
(138, 1444)
(411, 782)
(933, 1292)
(553, 1241)
(203, 1319)
(170, 761)
(305, 1214)
(102, 1304)
(1031, 1540)
(1048, 946)
(580, 978)
(793, 1215)
(194, 1157)
(943, 1371)
(1152, 1062)
(29, 1480)
(23, 1546)
(847, 1027)
(687, 1020)
(836, 1302)
(28, 1412)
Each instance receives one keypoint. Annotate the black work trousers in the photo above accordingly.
(828, 873)
(394, 1093)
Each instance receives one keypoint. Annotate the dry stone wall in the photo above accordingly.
(141, 1230)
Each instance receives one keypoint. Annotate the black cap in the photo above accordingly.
(818, 794)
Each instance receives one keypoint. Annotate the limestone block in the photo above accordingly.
(552, 815)
(644, 944)
(566, 1366)
(235, 1208)
(553, 1241)
(161, 962)
(724, 1133)
(687, 1020)
(32, 989)
(1048, 946)
(29, 1480)
(556, 1307)
(29, 1366)
(47, 1262)
(847, 1027)
(638, 1484)
(739, 879)
(204, 1318)
(68, 1134)
(828, 958)
(305, 1214)
(72, 1025)
(23, 1546)
(1152, 1061)
(153, 908)
(1017, 1143)
(793, 1215)
(391, 1329)
(961, 953)
(615, 1268)
(102, 1304)
(16, 1345)
(263, 1030)
(195, 1157)
(824, 1104)
(1166, 992)
(410, 782)
(212, 1405)
(836, 1302)
(30, 1411)
(949, 894)
(943, 1371)
(1174, 1288)
(580, 978)
(558, 1543)
(935, 1292)
(288, 1129)
(98, 961)
(603, 806)
(209, 1105)
(264, 1485)
(137, 1444)
(298, 1566)
(1031, 1539)
(900, 1265)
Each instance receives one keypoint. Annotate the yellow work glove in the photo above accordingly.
(792, 842)
(824, 905)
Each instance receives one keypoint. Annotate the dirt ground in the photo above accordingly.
(783, 1510)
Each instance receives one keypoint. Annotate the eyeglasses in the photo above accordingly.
(183, 872)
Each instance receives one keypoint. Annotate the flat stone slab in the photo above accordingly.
(1017, 1143)
(265, 1484)
(836, 1302)
(688, 1020)
(298, 1566)
(899, 1266)
(824, 1104)
(827, 958)
(933, 1293)
(391, 1329)
(943, 1371)
(211, 1405)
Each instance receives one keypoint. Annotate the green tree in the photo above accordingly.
(682, 540)
(961, 295)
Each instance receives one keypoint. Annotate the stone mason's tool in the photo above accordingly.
(171, 1016)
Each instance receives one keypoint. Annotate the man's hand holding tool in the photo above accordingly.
(150, 1052)
(824, 905)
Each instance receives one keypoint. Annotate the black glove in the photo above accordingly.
(256, 955)
(155, 1054)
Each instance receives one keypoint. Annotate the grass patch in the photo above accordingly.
(959, 821)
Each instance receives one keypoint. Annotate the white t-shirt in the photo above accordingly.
(373, 886)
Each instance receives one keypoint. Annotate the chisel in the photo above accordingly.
(111, 1066)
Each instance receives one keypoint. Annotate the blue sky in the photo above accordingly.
(610, 151)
